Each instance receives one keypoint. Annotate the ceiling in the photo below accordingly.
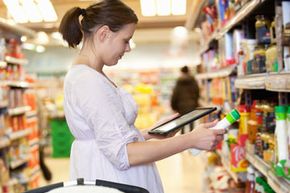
(61, 6)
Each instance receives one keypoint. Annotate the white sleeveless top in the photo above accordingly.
(101, 118)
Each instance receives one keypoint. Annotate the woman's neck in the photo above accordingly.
(89, 60)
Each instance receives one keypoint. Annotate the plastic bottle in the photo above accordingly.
(229, 119)
(250, 183)
(281, 134)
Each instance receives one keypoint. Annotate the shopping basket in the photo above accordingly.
(97, 186)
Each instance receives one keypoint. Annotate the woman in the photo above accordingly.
(101, 115)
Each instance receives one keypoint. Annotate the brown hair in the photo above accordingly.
(113, 13)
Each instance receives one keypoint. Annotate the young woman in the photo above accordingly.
(101, 115)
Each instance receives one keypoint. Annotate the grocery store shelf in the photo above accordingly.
(241, 14)
(244, 12)
(278, 184)
(31, 114)
(3, 104)
(12, 60)
(34, 142)
(194, 13)
(18, 110)
(226, 164)
(217, 74)
(4, 142)
(16, 29)
(256, 81)
(279, 82)
(19, 134)
(15, 83)
(17, 163)
(237, 176)
(3, 64)
(34, 173)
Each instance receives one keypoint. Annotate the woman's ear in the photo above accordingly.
(103, 33)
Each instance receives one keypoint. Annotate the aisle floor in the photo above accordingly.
(179, 173)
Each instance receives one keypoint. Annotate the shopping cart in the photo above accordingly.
(97, 186)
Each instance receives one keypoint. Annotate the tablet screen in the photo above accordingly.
(179, 122)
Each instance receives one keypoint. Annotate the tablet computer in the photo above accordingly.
(178, 122)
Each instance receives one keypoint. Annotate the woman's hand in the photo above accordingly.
(205, 138)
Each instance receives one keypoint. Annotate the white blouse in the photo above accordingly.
(101, 118)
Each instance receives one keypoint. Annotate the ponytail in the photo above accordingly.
(113, 13)
(70, 27)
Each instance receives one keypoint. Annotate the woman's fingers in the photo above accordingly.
(210, 124)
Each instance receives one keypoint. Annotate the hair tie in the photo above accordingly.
(83, 12)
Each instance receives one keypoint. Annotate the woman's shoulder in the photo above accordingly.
(81, 74)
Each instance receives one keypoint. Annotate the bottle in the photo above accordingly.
(250, 183)
(229, 119)
(262, 26)
(281, 140)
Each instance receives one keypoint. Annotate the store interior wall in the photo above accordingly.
(57, 59)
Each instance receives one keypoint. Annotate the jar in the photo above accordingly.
(272, 59)
(249, 55)
(262, 26)
(259, 64)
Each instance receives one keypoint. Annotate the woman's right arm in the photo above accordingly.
(150, 151)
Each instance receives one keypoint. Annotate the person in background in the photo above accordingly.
(185, 94)
(101, 115)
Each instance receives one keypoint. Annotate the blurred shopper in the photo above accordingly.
(185, 94)
(101, 115)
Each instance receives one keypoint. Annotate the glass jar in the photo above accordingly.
(272, 59)
(259, 65)
(262, 26)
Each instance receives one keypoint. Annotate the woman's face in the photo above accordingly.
(117, 44)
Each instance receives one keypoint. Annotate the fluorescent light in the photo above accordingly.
(28, 46)
(47, 11)
(23, 11)
(163, 7)
(40, 49)
(16, 11)
(31, 11)
(148, 7)
(178, 7)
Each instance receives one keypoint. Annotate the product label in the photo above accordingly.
(280, 116)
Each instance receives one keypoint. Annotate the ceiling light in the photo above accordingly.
(16, 11)
(178, 7)
(47, 11)
(31, 10)
(163, 7)
(148, 7)
(40, 49)
(23, 11)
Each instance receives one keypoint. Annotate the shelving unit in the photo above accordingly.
(280, 185)
(272, 84)
(225, 72)
(277, 82)
(244, 12)
(19, 143)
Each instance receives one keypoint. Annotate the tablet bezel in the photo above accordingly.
(177, 127)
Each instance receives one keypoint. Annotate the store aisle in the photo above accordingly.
(180, 173)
